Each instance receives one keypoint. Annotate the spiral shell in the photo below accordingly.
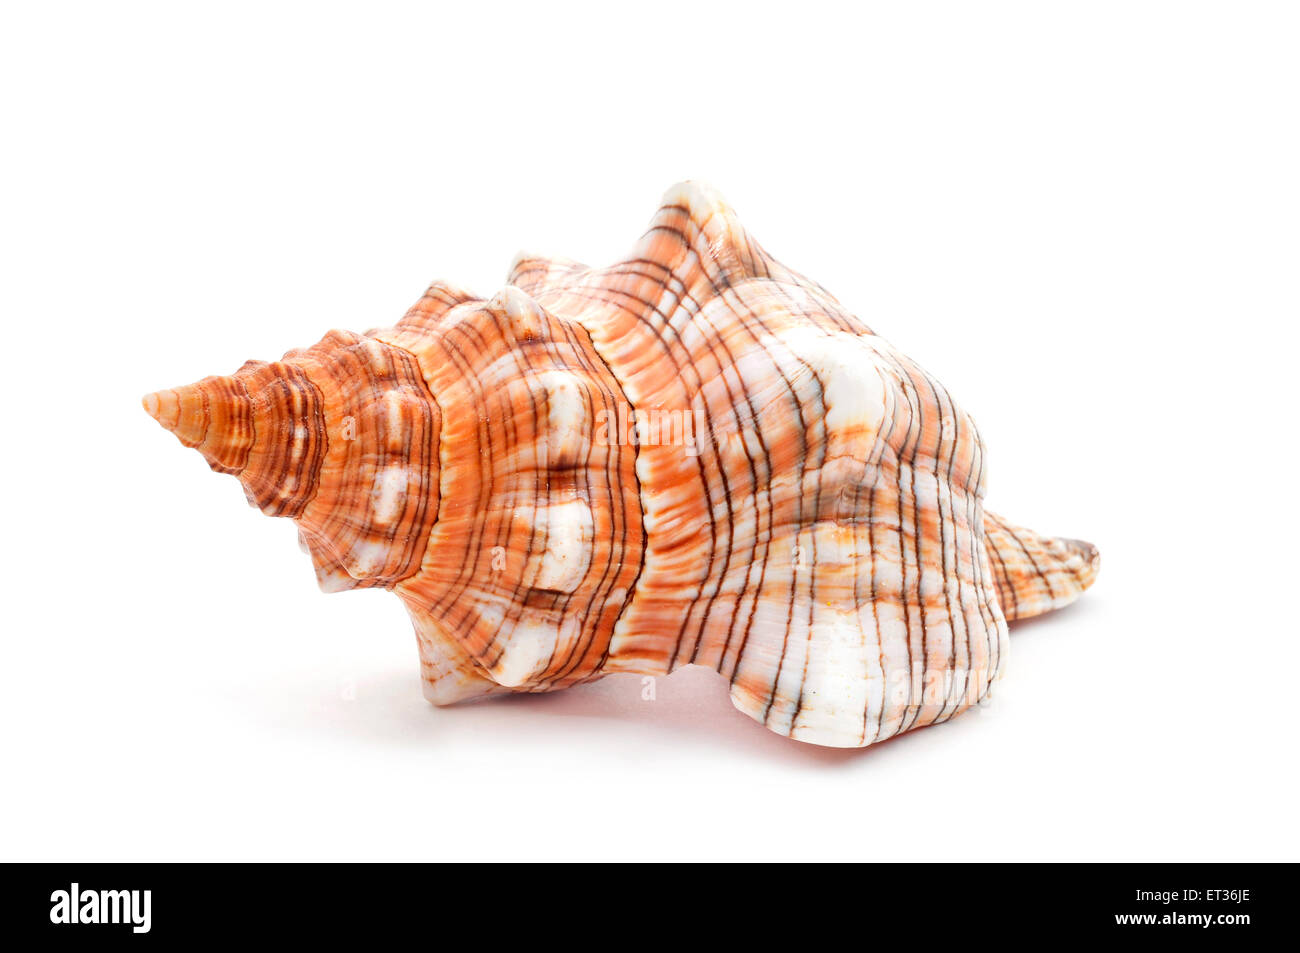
(694, 456)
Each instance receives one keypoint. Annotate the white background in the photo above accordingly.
(1083, 218)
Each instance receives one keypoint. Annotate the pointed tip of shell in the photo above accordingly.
(152, 404)
(179, 410)
(212, 416)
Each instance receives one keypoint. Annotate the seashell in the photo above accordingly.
(695, 456)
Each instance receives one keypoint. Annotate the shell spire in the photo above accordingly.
(263, 424)
(342, 437)
(189, 413)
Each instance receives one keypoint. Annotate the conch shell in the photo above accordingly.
(693, 457)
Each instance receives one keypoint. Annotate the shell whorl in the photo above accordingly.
(342, 437)
(240, 424)
(539, 538)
